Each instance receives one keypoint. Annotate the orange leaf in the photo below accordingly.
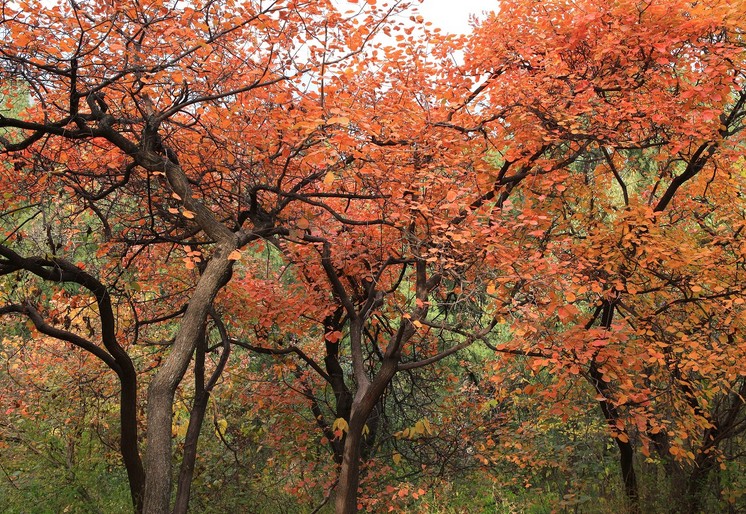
(339, 120)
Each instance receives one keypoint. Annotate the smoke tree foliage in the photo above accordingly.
(575, 182)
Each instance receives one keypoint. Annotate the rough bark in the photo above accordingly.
(163, 387)
(157, 488)
(349, 474)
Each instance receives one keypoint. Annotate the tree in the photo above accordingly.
(161, 125)
(648, 101)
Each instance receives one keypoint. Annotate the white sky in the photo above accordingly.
(453, 15)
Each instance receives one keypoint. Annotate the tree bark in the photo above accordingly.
(196, 418)
(349, 474)
(128, 437)
(163, 387)
(363, 404)
(186, 473)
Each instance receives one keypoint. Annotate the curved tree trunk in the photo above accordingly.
(163, 387)
(128, 444)
(197, 415)
(363, 405)
(186, 473)
(59, 270)
(196, 418)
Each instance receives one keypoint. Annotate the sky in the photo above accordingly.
(453, 15)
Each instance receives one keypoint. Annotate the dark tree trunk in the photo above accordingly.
(196, 418)
(612, 416)
(162, 388)
(62, 271)
(626, 450)
(128, 442)
(342, 393)
(202, 392)
(349, 474)
(363, 405)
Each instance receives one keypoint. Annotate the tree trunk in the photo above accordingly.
(349, 474)
(189, 459)
(626, 462)
(202, 392)
(163, 387)
(128, 443)
(363, 404)
(342, 394)
(196, 418)
(626, 450)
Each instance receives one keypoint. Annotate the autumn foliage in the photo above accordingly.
(327, 255)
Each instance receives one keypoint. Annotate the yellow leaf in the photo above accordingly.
(328, 179)
(340, 424)
(396, 458)
(491, 289)
(187, 214)
(221, 426)
(419, 428)
(179, 430)
(234, 255)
